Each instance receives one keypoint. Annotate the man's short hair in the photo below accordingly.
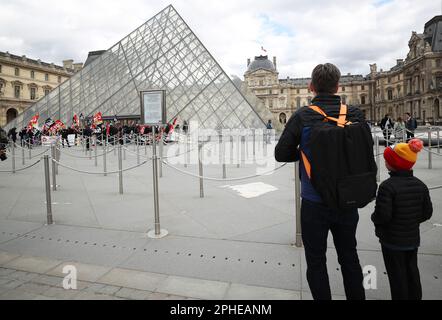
(325, 78)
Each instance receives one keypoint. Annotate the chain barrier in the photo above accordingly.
(84, 157)
(435, 188)
(223, 180)
(21, 169)
(98, 173)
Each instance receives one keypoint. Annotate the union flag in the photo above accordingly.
(98, 118)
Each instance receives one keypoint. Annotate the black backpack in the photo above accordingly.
(341, 167)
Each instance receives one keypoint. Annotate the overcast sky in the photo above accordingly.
(351, 34)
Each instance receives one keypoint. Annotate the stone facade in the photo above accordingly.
(23, 81)
(413, 85)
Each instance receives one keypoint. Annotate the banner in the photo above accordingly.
(76, 121)
(58, 125)
(98, 119)
(48, 124)
(33, 123)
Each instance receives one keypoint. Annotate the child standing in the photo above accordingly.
(402, 204)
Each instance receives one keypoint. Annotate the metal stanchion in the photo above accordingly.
(243, 151)
(438, 140)
(105, 160)
(161, 142)
(13, 156)
(95, 153)
(223, 155)
(186, 148)
(138, 150)
(120, 169)
(145, 146)
(264, 142)
(23, 160)
(157, 233)
(124, 145)
(298, 206)
(378, 158)
(30, 150)
(57, 156)
(238, 145)
(48, 191)
(430, 155)
(254, 143)
(54, 165)
(200, 164)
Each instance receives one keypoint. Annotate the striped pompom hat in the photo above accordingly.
(403, 156)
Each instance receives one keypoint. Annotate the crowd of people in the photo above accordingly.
(395, 131)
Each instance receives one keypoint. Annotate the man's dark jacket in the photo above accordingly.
(297, 132)
(402, 204)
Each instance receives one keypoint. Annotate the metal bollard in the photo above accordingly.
(200, 163)
(120, 169)
(157, 233)
(48, 191)
(438, 140)
(23, 160)
(298, 206)
(430, 155)
(378, 176)
(95, 154)
(105, 160)
(138, 150)
(161, 142)
(13, 156)
(54, 165)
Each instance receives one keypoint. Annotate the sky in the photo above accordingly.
(300, 33)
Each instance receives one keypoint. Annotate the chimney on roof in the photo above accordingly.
(68, 64)
(274, 61)
(78, 66)
(248, 62)
(399, 61)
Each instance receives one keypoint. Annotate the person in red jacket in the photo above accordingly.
(402, 204)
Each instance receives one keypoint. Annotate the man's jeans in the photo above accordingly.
(316, 221)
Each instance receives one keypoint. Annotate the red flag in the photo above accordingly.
(57, 126)
(142, 129)
(33, 123)
(98, 119)
(107, 129)
(76, 121)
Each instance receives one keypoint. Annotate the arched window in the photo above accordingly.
(11, 114)
(283, 118)
(363, 100)
(298, 102)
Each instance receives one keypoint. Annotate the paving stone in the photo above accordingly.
(6, 257)
(61, 294)
(34, 288)
(157, 296)
(195, 288)
(109, 290)
(16, 294)
(133, 279)
(95, 296)
(32, 264)
(13, 284)
(244, 292)
(6, 272)
(85, 272)
(133, 294)
(23, 276)
(49, 280)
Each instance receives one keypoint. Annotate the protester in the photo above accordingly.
(12, 134)
(403, 203)
(410, 125)
(3, 144)
(64, 137)
(318, 218)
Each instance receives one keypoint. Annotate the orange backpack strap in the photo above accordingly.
(342, 116)
(307, 165)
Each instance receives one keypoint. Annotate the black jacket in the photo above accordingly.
(402, 204)
(287, 147)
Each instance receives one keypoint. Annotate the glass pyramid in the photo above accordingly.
(164, 54)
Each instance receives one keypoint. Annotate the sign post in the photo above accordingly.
(153, 113)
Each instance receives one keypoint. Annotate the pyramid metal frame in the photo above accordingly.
(163, 53)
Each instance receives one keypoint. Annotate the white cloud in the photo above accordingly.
(301, 34)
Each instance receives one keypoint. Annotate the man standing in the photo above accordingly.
(317, 219)
(410, 125)
(387, 128)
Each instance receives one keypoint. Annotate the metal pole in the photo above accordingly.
(48, 191)
(145, 146)
(200, 163)
(254, 143)
(120, 169)
(124, 145)
(13, 157)
(157, 233)
(105, 160)
(138, 150)
(57, 157)
(243, 156)
(95, 153)
(430, 155)
(377, 158)
(298, 206)
(438, 140)
(54, 165)
(30, 150)
(23, 160)
(161, 153)
(238, 145)
(223, 155)
(186, 148)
